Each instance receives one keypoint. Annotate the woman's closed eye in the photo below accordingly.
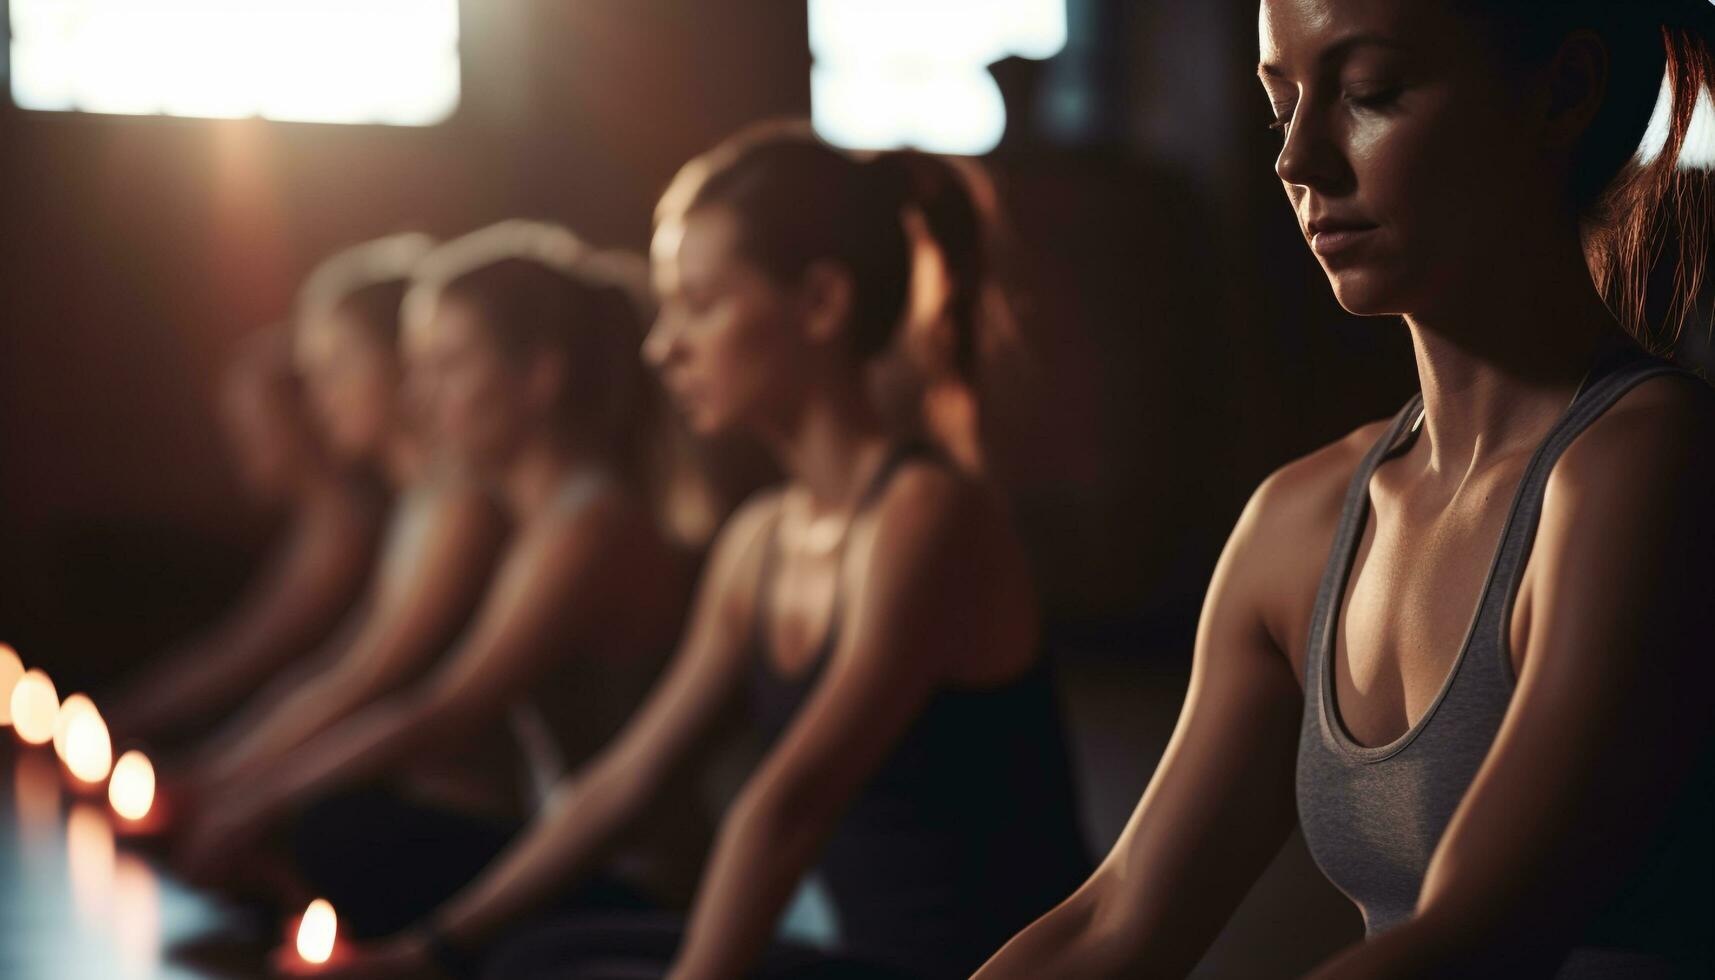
(1371, 96)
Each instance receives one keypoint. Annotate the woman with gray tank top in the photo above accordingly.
(1467, 649)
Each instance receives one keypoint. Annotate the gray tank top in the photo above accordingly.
(1373, 815)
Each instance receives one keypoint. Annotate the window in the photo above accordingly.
(332, 61)
(891, 73)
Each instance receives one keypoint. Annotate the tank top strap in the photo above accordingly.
(1348, 535)
(768, 565)
(1609, 381)
(579, 488)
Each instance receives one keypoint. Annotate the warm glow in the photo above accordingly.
(36, 790)
(90, 855)
(136, 919)
(334, 61)
(35, 707)
(71, 707)
(892, 73)
(11, 668)
(86, 749)
(316, 932)
(132, 791)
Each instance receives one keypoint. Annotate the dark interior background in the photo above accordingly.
(1184, 341)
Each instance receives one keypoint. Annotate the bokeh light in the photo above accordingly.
(11, 668)
(35, 707)
(316, 932)
(71, 707)
(132, 790)
(89, 749)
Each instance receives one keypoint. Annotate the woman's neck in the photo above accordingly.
(832, 443)
(1500, 364)
(536, 471)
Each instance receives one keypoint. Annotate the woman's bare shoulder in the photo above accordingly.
(1275, 558)
(1308, 493)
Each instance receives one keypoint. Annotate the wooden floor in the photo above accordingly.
(78, 903)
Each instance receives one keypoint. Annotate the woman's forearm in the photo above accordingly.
(364, 746)
(259, 744)
(1068, 941)
(763, 850)
(571, 833)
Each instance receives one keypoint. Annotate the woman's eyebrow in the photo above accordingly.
(1337, 52)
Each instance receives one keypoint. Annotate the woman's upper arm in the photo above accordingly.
(548, 597)
(921, 590)
(1615, 695)
(427, 585)
(708, 667)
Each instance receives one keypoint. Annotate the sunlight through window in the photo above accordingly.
(331, 61)
(893, 73)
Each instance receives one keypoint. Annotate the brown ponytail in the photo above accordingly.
(956, 203)
(1633, 209)
(1657, 202)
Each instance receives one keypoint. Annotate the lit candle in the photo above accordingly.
(35, 707)
(11, 668)
(132, 790)
(86, 749)
(316, 932)
(72, 707)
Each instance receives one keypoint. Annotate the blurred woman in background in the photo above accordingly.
(312, 578)
(874, 614)
(1493, 702)
(521, 344)
(440, 540)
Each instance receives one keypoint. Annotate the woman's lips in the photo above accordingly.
(1331, 240)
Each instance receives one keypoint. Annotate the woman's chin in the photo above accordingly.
(1361, 295)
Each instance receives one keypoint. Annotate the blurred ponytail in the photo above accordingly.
(956, 203)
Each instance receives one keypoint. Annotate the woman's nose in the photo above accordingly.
(1310, 156)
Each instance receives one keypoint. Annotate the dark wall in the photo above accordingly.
(133, 251)
(1183, 337)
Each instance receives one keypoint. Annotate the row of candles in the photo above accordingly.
(31, 705)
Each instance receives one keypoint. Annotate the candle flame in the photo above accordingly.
(35, 707)
(82, 740)
(132, 791)
(11, 668)
(316, 932)
(71, 707)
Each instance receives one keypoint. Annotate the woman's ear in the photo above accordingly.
(1577, 83)
(826, 299)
